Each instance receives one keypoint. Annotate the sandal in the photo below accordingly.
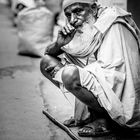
(94, 129)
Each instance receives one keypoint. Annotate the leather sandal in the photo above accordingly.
(95, 129)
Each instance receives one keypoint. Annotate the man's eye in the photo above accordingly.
(78, 10)
(68, 15)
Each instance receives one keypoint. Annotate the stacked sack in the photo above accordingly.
(16, 3)
(35, 30)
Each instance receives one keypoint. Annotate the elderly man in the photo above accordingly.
(100, 66)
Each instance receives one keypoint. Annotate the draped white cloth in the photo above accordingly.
(114, 76)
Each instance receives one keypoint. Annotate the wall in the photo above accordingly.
(133, 6)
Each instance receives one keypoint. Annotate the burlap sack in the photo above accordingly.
(35, 31)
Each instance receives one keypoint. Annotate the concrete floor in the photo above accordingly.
(21, 101)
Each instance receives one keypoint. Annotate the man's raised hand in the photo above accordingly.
(65, 35)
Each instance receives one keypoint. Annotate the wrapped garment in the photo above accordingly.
(113, 74)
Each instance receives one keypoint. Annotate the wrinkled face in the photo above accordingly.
(77, 14)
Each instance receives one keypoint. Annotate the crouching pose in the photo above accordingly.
(99, 65)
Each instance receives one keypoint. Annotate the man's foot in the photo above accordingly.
(70, 122)
(95, 129)
(73, 123)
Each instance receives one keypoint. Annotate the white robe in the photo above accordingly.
(114, 78)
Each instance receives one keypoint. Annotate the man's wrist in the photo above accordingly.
(58, 45)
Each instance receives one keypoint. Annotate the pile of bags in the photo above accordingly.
(35, 30)
(26, 3)
(4, 2)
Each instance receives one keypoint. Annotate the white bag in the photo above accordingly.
(35, 31)
(3, 1)
(26, 3)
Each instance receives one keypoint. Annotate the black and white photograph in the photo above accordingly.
(69, 69)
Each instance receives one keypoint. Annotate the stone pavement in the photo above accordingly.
(21, 101)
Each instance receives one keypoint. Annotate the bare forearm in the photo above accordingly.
(63, 38)
(54, 50)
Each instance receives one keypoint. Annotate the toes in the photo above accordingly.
(85, 130)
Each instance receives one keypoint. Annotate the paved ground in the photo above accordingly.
(24, 92)
(21, 101)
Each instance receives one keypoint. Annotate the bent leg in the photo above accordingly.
(100, 121)
(49, 66)
(71, 80)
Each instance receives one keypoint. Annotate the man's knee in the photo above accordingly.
(48, 62)
(70, 77)
(44, 63)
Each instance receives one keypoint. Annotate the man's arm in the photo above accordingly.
(64, 37)
(54, 49)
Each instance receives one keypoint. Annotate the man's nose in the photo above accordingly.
(73, 19)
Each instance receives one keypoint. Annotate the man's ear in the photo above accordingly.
(94, 8)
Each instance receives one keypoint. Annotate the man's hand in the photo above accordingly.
(65, 35)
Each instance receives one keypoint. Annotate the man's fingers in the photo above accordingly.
(64, 31)
(71, 28)
(67, 29)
